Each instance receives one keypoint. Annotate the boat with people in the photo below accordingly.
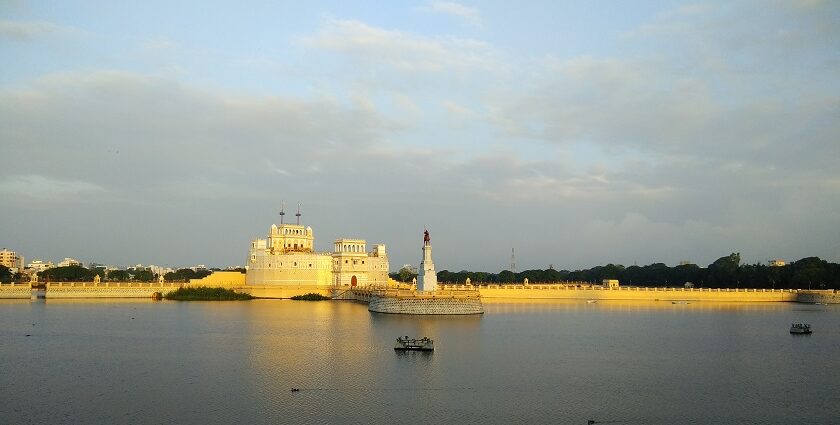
(800, 328)
(404, 343)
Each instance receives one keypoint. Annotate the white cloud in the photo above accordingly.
(117, 125)
(38, 188)
(470, 14)
(30, 30)
(400, 50)
(687, 141)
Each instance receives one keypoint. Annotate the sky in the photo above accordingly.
(577, 133)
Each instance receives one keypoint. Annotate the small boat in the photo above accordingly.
(591, 301)
(680, 302)
(404, 343)
(800, 328)
(820, 304)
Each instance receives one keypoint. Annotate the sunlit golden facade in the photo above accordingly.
(287, 257)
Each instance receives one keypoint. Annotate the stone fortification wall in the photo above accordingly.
(378, 274)
(15, 291)
(220, 280)
(107, 289)
(291, 269)
(425, 305)
(635, 293)
(828, 297)
(283, 291)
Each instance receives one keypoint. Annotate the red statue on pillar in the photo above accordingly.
(426, 238)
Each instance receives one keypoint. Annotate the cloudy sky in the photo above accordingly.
(578, 133)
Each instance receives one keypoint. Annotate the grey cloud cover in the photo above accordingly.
(575, 161)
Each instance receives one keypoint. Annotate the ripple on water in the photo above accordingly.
(558, 362)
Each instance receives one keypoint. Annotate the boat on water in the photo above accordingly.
(800, 328)
(591, 301)
(404, 343)
(680, 302)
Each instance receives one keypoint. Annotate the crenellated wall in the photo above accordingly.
(15, 291)
(426, 305)
(827, 297)
(108, 289)
(490, 292)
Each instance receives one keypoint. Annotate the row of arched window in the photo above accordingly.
(352, 248)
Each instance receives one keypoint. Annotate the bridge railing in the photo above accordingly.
(110, 284)
(591, 287)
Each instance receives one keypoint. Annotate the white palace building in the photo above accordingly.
(288, 258)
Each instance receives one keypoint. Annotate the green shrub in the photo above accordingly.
(203, 293)
(311, 297)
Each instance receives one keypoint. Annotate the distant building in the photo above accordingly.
(610, 283)
(37, 266)
(160, 271)
(287, 257)
(686, 263)
(66, 262)
(11, 260)
(689, 285)
(776, 263)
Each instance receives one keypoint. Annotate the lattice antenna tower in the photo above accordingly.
(282, 210)
(512, 261)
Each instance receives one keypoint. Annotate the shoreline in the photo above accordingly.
(490, 293)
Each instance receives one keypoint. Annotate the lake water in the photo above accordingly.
(112, 361)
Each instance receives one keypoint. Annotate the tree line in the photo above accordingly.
(84, 274)
(725, 272)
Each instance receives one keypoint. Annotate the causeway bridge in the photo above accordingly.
(488, 293)
(87, 289)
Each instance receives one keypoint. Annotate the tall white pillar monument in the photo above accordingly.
(427, 278)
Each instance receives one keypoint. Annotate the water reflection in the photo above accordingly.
(140, 361)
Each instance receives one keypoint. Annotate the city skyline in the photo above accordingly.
(578, 135)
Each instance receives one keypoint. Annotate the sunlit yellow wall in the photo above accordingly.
(662, 294)
(19, 290)
(220, 279)
(285, 291)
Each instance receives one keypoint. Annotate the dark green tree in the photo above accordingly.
(506, 276)
(143, 276)
(67, 274)
(6, 274)
(406, 275)
(810, 273)
(723, 272)
(119, 275)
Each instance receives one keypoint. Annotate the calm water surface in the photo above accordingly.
(555, 362)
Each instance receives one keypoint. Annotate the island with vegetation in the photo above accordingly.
(203, 293)
(310, 297)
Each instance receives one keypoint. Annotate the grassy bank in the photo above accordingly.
(311, 297)
(203, 293)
